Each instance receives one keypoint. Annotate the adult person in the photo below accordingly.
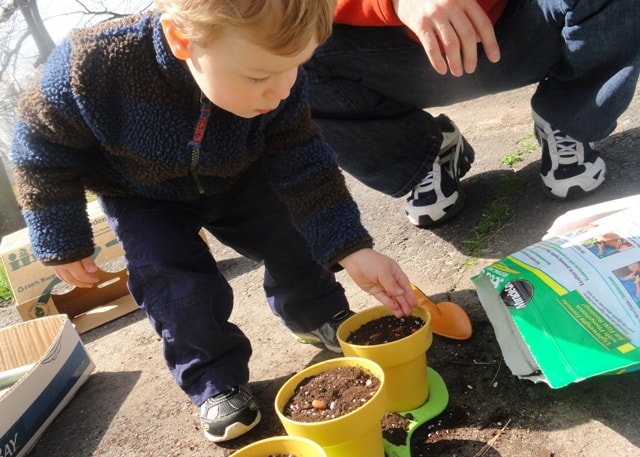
(388, 60)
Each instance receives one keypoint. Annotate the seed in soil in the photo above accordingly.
(341, 390)
(385, 329)
(319, 404)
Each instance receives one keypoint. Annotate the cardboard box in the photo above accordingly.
(57, 365)
(38, 292)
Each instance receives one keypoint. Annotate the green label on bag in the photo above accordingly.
(593, 322)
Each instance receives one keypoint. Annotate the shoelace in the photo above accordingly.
(444, 162)
(426, 184)
(567, 148)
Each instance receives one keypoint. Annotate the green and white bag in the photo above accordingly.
(568, 307)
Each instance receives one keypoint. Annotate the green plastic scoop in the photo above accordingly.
(435, 404)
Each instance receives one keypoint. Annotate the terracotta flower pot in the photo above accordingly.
(282, 445)
(358, 433)
(404, 361)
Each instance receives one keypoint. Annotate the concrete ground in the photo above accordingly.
(131, 407)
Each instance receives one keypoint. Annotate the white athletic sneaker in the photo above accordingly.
(439, 197)
(569, 168)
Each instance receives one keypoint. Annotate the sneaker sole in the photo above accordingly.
(579, 189)
(306, 339)
(451, 212)
(233, 431)
(310, 339)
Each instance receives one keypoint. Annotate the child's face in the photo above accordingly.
(243, 78)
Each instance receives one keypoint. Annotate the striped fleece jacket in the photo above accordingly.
(114, 112)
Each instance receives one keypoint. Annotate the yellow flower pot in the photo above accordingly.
(404, 361)
(282, 445)
(358, 433)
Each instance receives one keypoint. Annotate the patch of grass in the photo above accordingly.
(509, 186)
(512, 159)
(494, 217)
(5, 289)
(525, 146)
(500, 210)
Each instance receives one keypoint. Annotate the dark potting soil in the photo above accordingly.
(395, 428)
(385, 329)
(382, 330)
(339, 391)
(333, 393)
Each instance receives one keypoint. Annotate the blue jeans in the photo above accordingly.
(174, 277)
(370, 85)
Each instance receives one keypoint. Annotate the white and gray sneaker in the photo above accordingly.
(439, 197)
(229, 414)
(326, 333)
(569, 168)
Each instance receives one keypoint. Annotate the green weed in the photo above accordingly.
(511, 159)
(525, 146)
(499, 211)
(494, 217)
(5, 289)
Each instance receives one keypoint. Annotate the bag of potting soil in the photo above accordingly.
(568, 307)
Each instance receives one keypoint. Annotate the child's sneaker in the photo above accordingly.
(229, 414)
(326, 333)
(569, 168)
(439, 197)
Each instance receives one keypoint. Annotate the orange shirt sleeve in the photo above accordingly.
(366, 13)
(381, 12)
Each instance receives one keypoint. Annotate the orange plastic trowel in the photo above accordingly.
(448, 319)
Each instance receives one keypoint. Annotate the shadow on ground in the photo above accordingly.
(115, 387)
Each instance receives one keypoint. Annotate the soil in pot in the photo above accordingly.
(331, 394)
(385, 329)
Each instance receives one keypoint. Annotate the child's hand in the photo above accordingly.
(383, 278)
(80, 273)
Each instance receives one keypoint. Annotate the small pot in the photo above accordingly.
(286, 445)
(358, 433)
(404, 361)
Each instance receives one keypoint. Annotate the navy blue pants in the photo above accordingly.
(369, 86)
(174, 277)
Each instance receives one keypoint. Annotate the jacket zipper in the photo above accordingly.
(195, 156)
(196, 142)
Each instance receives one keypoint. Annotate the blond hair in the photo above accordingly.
(284, 27)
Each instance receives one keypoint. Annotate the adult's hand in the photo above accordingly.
(449, 31)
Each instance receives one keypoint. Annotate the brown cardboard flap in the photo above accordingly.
(110, 287)
(23, 344)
